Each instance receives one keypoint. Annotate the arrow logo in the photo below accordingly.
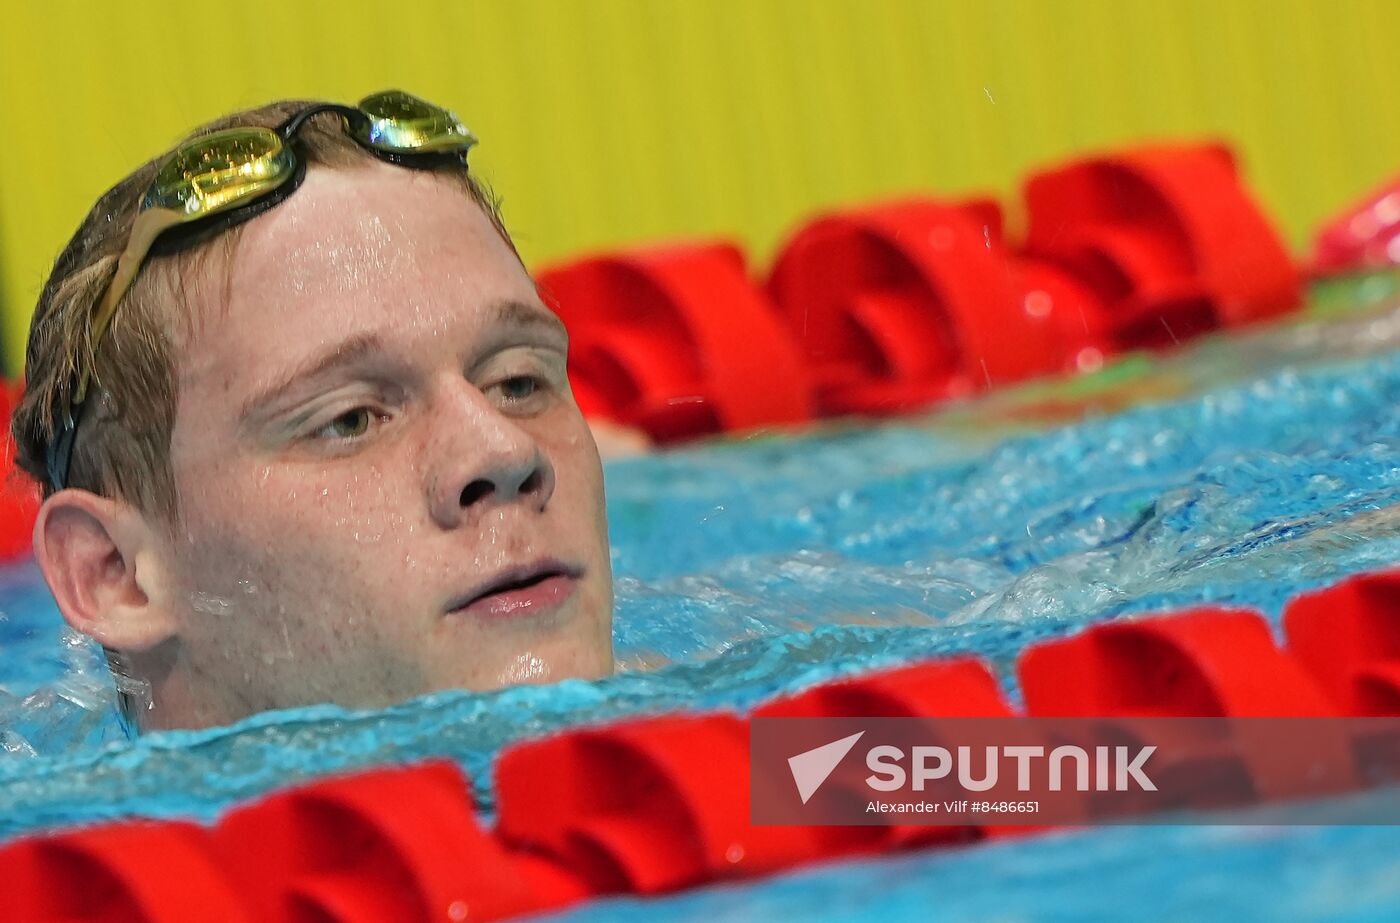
(812, 767)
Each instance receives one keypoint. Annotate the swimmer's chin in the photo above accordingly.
(534, 669)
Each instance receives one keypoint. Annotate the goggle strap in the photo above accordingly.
(422, 160)
(291, 126)
(60, 453)
(149, 225)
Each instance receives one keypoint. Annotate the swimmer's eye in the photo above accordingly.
(349, 425)
(519, 388)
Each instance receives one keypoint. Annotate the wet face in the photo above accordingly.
(385, 486)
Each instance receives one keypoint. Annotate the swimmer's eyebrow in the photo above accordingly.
(342, 353)
(524, 314)
(517, 323)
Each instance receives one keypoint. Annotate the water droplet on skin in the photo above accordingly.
(210, 604)
(527, 666)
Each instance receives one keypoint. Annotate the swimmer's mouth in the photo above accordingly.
(520, 583)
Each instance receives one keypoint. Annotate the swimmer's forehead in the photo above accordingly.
(344, 232)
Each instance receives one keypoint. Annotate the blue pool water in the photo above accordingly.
(746, 569)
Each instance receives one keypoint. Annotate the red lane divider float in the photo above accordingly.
(888, 308)
(19, 495)
(1202, 663)
(384, 845)
(395, 844)
(120, 873)
(1348, 638)
(661, 803)
(644, 806)
(902, 305)
(962, 687)
(1168, 237)
(677, 341)
(1365, 236)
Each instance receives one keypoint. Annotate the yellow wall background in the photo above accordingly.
(609, 121)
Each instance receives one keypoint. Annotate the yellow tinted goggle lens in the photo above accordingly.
(401, 122)
(217, 172)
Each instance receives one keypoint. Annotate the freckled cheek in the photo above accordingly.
(578, 491)
(289, 517)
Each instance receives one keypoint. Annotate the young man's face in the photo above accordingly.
(385, 486)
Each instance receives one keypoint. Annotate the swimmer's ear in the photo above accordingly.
(103, 562)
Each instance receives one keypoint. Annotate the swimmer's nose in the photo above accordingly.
(489, 463)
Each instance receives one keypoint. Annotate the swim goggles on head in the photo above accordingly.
(217, 180)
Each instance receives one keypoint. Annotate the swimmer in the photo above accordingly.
(304, 428)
